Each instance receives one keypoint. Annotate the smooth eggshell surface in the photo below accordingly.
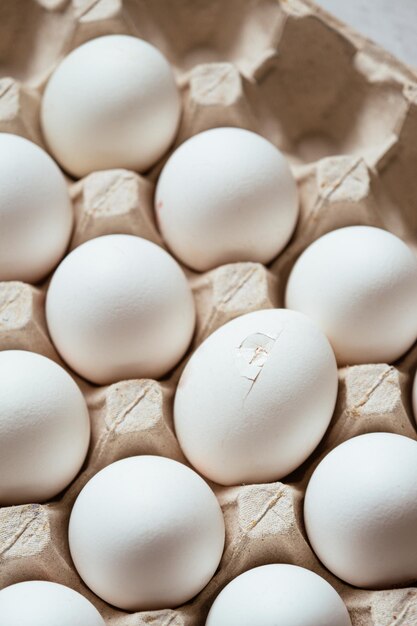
(120, 307)
(360, 285)
(146, 533)
(256, 397)
(35, 211)
(272, 595)
(414, 396)
(44, 428)
(41, 603)
(360, 510)
(226, 195)
(111, 103)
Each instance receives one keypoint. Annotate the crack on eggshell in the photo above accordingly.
(253, 353)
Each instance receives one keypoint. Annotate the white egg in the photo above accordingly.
(360, 285)
(226, 195)
(41, 603)
(44, 428)
(360, 510)
(35, 211)
(120, 307)
(256, 397)
(146, 533)
(112, 102)
(414, 396)
(278, 594)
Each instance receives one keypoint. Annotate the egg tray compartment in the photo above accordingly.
(345, 114)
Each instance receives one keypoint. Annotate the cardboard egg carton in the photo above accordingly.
(345, 114)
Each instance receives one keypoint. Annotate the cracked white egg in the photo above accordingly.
(111, 103)
(120, 307)
(270, 595)
(146, 533)
(360, 511)
(226, 195)
(256, 397)
(42, 603)
(44, 428)
(35, 211)
(359, 284)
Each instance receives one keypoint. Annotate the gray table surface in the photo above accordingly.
(390, 23)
